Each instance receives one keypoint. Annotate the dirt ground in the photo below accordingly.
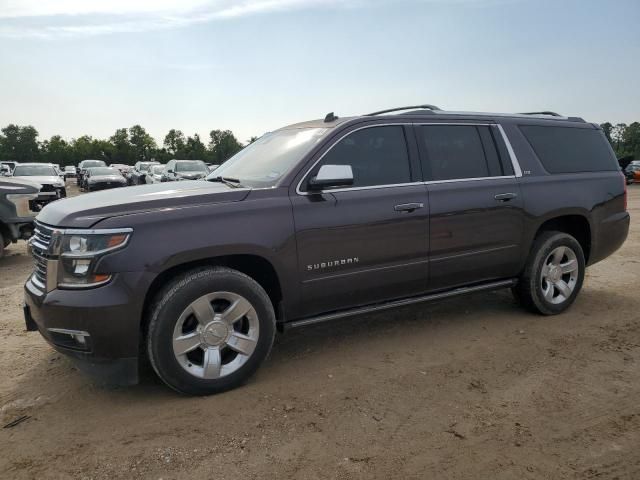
(473, 387)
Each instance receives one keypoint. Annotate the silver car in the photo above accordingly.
(45, 174)
(155, 174)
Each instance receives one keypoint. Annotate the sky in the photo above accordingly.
(75, 67)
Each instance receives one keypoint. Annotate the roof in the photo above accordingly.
(435, 113)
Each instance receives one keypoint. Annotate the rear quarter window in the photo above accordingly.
(570, 150)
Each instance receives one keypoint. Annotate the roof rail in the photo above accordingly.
(398, 109)
(545, 112)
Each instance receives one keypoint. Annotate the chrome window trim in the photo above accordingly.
(514, 160)
(369, 187)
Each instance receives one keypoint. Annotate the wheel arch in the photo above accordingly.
(575, 224)
(255, 266)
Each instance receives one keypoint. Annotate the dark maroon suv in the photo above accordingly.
(319, 221)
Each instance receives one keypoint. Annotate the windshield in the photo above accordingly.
(70, 169)
(263, 162)
(34, 171)
(92, 163)
(104, 171)
(194, 166)
(144, 167)
(157, 169)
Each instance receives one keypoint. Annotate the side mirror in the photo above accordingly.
(170, 171)
(331, 176)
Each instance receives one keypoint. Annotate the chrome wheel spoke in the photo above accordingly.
(570, 266)
(545, 271)
(200, 352)
(186, 343)
(241, 343)
(238, 309)
(563, 288)
(211, 363)
(558, 254)
(548, 292)
(203, 310)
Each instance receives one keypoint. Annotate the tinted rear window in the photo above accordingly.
(570, 150)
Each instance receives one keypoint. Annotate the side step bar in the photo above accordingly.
(398, 303)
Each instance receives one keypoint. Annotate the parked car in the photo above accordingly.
(632, 172)
(212, 166)
(139, 172)
(70, 172)
(53, 187)
(121, 167)
(82, 167)
(10, 164)
(177, 170)
(102, 178)
(16, 216)
(321, 221)
(154, 174)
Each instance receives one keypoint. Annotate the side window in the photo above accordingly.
(377, 156)
(570, 149)
(458, 152)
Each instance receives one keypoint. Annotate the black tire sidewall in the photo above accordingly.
(551, 242)
(176, 299)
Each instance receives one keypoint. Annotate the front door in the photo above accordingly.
(366, 243)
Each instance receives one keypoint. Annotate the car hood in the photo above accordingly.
(84, 211)
(107, 178)
(11, 185)
(46, 180)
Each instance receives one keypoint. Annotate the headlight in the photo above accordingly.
(79, 252)
(21, 201)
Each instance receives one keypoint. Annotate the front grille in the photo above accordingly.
(48, 188)
(40, 243)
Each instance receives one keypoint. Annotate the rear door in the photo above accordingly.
(476, 214)
(367, 243)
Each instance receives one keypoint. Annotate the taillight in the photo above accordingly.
(624, 182)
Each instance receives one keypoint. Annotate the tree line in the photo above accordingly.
(130, 145)
(625, 139)
(126, 145)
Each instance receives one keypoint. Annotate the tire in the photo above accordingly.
(2, 245)
(540, 288)
(212, 362)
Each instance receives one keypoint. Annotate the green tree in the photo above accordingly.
(19, 143)
(121, 147)
(195, 149)
(222, 145)
(175, 143)
(142, 144)
(56, 150)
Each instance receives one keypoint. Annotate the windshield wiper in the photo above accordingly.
(228, 181)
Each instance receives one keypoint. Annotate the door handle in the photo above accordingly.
(505, 197)
(408, 207)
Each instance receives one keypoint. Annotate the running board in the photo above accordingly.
(399, 303)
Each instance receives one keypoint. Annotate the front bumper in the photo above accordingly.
(108, 317)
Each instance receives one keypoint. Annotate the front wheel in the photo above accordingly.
(553, 275)
(210, 329)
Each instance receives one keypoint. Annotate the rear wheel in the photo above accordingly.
(553, 275)
(2, 244)
(210, 329)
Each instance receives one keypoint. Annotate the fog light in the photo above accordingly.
(76, 339)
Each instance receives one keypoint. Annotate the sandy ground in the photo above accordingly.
(468, 388)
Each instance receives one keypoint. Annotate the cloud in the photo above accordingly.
(71, 18)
